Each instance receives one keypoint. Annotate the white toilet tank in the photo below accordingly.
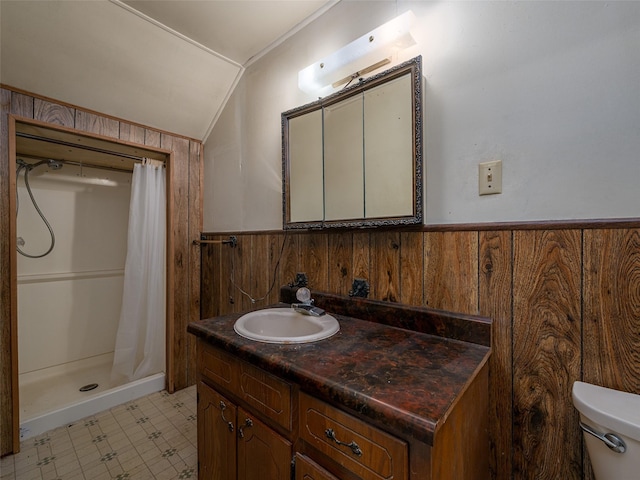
(617, 415)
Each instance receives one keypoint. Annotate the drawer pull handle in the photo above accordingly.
(353, 445)
(247, 424)
(223, 406)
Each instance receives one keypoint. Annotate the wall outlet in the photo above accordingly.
(490, 177)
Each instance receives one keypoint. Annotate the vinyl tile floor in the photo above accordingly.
(153, 437)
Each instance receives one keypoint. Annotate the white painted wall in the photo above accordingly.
(550, 88)
(69, 301)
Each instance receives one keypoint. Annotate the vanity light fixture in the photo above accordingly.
(363, 55)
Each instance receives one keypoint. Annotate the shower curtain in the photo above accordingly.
(140, 341)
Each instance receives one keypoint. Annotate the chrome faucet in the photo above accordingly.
(306, 303)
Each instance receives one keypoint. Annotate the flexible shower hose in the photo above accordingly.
(27, 168)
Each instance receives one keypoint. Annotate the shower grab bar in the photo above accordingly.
(611, 440)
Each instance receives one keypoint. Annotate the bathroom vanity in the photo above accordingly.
(398, 393)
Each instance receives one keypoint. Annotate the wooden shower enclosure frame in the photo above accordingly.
(183, 158)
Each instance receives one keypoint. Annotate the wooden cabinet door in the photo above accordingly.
(216, 435)
(307, 469)
(262, 453)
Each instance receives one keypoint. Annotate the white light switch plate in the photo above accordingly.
(490, 177)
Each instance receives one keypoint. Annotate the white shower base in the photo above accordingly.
(50, 398)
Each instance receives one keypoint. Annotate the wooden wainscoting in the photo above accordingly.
(565, 301)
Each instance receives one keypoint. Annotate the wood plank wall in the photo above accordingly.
(184, 174)
(565, 302)
(6, 383)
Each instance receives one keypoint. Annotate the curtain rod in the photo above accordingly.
(83, 147)
(77, 164)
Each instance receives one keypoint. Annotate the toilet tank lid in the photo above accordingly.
(613, 409)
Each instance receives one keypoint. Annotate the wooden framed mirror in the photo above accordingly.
(354, 159)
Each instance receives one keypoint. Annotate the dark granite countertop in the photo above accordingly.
(404, 380)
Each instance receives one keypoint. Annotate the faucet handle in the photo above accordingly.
(304, 295)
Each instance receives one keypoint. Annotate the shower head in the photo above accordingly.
(54, 165)
(51, 163)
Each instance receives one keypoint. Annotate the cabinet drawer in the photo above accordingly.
(368, 452)
(217, 366)
(307, 469)
(264, 392)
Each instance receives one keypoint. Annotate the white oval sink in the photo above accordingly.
(285, 325)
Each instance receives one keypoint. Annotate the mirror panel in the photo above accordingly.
(343, 165)
(388, 146)
(354, 158)
(305, 168)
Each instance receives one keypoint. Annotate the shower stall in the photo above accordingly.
(72, 228)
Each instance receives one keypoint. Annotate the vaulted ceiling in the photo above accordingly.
(170, 64)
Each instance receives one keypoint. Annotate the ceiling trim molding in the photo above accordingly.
(176, 33)
(290, 33)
